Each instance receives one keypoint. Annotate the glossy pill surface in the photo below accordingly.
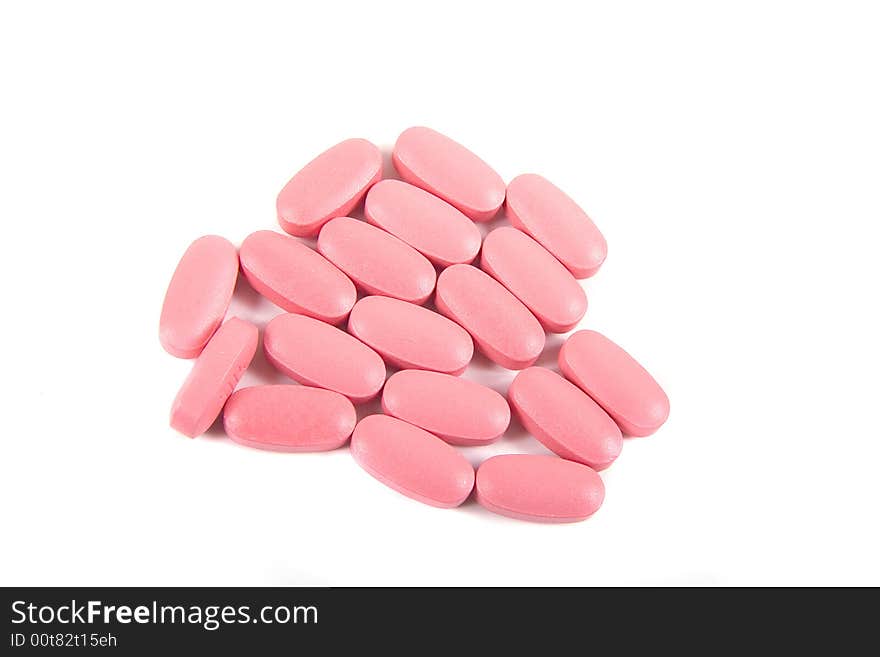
(213, 377)
(616, 381)
(564, 418)
(376, 261)
(534, 277)
(539, 488)
(408, 336)
(295, 277)
(539, 208)
(460, 411)
(329, 186)
(412, 461)
(427, 159)
(198, 296)
(317, 354)
(427, 223)
(289, 418)
(501, 326)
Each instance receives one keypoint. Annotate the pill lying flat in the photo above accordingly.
(213, 377)
(289, 418)
(615, 381)
(541, 209)
(376, 261)
(412, 461)
(329, 186)
(428, 224)
(317, 354)
(436, 163)
(408, 336)
(564, 418)
(501, 326)
(539, 488)
(295, 277)
(534, 277)
(460, 411)
(198, 296)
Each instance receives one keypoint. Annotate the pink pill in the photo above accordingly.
(412, 461)
(198, 296)
(428, 224)
(534, 277)
(320, 355)
(214, 377)
(408, 336)
(289, 418)
(434, 162)
(501, 326)
(615, 381)
(541, 209)
(539, 488)
(461, 412)
(376, 261)
(296, 278)
(329, 186)
(564, 419)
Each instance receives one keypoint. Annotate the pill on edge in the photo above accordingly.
(539, 208)
(538, 488)
(329, 186)
(289, 418)
(198, 296)
(412, 461)
(615, 381)
(214, 376)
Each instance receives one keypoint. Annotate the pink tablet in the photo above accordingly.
(501, 326)
(317, 354)
(434, 162)
(538, 207)
(427, 223)
(408, 336)
(198, 296)
(214, 377)
(564, 418)
(376, 261)
(615, 381)
(329, 186)
(460, 411)
(539, 488)
(534, 277)
(295, 277)
(412, 461)
(289, 418)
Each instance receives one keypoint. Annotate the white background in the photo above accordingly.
(730, 153)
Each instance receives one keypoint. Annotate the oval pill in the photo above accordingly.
(412, 461)
(427, 223)
(613, 378)
(329, 186)
(460, 411)
(538, 488)
(534, 277)
(295, 277)
(501, 326)
(289, 418)
(539, 208)
(377, 261)
(562, 417)
(408, 336)
(317, 354)
(427, 159)
(213, 377)
(198, 296)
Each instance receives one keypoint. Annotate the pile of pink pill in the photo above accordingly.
(418, 242)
